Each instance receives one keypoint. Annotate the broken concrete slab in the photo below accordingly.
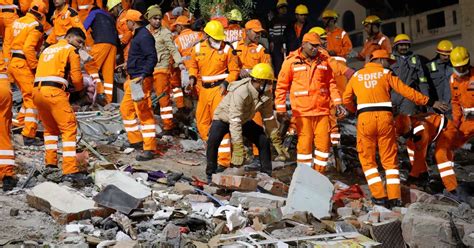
(233, 182)
(183, 188)
(256, 199)
(112, 197)
(428, 225)
(123, 181)
(309, 191)
(63, 203)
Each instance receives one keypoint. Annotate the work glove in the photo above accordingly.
(283, 154)
(341, 111)
(136, 89)
(238, 154)
(441, 106)
(224, 87)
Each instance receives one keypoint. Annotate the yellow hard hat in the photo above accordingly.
(372, 19)
(282, 3)
(263, 71)
(112, 3)
(320, 31)
(329, 13)
(459, 56)
(215, 30)
(234, 15)
(401, 39)
(444, 47)
(301, 10)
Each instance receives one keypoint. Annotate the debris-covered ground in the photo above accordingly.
(165, 202)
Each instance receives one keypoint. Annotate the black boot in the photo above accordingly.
(220, 169)
(9, 183)
(395, 203)
(136, 146)
(380, 202)
(32, 141)
(145, 156)
(79, 179)
(255, 165)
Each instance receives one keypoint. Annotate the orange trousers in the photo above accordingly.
(58, 118)
(376, 129)
(175, 83)
(334, 128)
(104, 58)
(208, 101)
(6, 23)
(138, 117)
(162, 90)
(24, 78)
(313, 141)
(7, 155)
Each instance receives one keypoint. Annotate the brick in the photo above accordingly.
(233, 182)
(63, 203)
(274, 187)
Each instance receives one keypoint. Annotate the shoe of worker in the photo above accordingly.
(32, 141)
(9, 183)
(145, 156)
(79, 179)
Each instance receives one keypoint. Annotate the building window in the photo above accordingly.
(418, 26)
(455, 18)
(348, 21)
(403, 27)
(436, 20)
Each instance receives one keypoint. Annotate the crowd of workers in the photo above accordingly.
(240, 75)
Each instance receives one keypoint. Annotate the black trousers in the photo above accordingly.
(250, 130)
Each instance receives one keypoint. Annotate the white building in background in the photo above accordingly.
(426, 29)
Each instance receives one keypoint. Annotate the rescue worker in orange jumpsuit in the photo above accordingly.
(375, 125)
(342, 73)
(7, 154)
(63, 19)
(27, 34)
(214, 63)
(308, 77)
(338, 41)
(25, 5)
(83, 7)
(184, 41)
(103, 52)
(137, 114)
(234, 32)
(376, 40)
(250, 53)
(294, 32)
(8, 14)
(420, 131)
(56, 63)
(119, 11)
(165, 49)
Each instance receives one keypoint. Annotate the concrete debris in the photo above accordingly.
(64, 204)
(122, 181)
(183, 188)
(309, 191)
(233, 182)
(234, 216)
(112, 197)
(256, 199)
(192, 145)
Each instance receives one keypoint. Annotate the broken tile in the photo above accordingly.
(123, 181)
(256, 199)
(63, 203)
(233, 182)
(309, 191)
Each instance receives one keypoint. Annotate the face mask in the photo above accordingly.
(460, 74)
(215, 44)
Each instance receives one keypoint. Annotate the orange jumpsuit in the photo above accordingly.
(25, 5)
(249, 55)
(52, 101)
(380, 41)
(312, 88)
(7, 155)
(233, 33)
(62, 21)
(339, 42)
(342, 73)
(169, 18)
(8, 14)
(212, 66)
(83, 7)
(422, 132)
(125, 35)
(375, 126)
(26, 34)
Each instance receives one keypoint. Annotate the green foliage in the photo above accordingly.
(211, 8)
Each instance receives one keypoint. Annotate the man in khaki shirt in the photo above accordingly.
(235, 113)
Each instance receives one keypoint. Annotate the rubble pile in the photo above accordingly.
(165, 203)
